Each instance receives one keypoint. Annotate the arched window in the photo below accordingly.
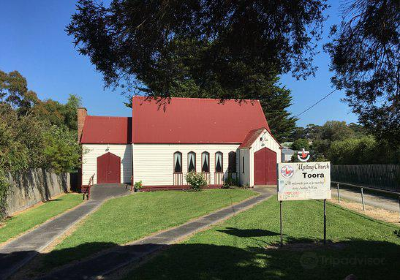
(232, 162)
(177, 162)
(205, 162)
(218, 162)
(191, 161)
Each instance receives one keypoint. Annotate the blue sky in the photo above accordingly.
(33, 42)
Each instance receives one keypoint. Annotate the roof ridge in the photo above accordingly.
(116, 117)
(199, 98)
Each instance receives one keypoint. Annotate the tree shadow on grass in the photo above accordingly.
(365, 259)
(247, 232)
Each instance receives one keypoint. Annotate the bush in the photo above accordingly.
(300, 144)
(138, 185)
(4, 185)
(230, 182)
(353, 151)
(196, 181)
(62, 152)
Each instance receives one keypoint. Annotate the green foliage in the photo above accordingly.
(230, 182)
(196, 180)
(365, 60)
(4, 185)
(143, 215)
(300, 144)
(14, 91)
(343, 143)
(352, 151)
(274, 100)
(217, 46)
(236, 248)
(335, 130)
(21, 140)
(58, 114)
(62, 153)
(362, 150)
(34, 133)
(27, 220)
(218, 49)
(138, 185)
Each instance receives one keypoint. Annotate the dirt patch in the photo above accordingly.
(370, 211)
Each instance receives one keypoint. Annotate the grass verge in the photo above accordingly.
(129, 218)
(238, 248)
(30, 218)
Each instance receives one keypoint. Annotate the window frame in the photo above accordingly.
(222, 162)
(230, 167)
(195, 161)
(201, 162)
(173, 163)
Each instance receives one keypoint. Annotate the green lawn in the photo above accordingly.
(235, 249)
(132, 217)
(38, 215)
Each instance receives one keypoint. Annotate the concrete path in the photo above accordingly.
(115, 259)
(21, 250)
(383, 202)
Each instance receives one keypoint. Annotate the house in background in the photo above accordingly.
(164, 140)
(287, 154)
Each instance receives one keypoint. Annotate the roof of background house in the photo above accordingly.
(287, 151)
(287, 144)
(107, 130)
(194, 120)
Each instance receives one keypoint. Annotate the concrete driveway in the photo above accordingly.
(107, 191)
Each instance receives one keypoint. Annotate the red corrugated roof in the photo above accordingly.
(107, 130)
(251, 137)
(194, 120)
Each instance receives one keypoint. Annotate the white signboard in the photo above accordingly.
(304, 180)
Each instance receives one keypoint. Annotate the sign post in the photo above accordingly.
(280, 215)
(304, 181)
(324, 221)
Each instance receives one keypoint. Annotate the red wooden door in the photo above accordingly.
(265, 167)
(108, 169)
(259, 168)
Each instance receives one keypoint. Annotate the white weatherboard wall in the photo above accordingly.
(267, 142)
(92, 151)
(153, 163)
(244, 167)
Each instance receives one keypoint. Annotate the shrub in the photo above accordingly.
(138, 185)
(354, 151)
(230, 182)
(300, 144)
(196, 181)
(4, 185)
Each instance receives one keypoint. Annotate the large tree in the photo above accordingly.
(365, 54)
(35, 133)
(203, 48)
(14, 91)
